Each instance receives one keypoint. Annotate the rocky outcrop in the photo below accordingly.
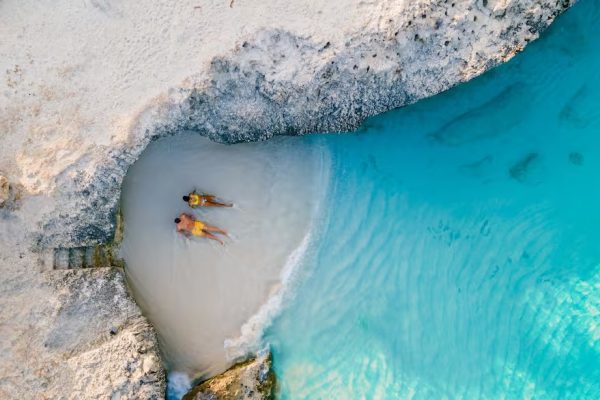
(253, 379)
(71, 334)
(360, 59)
(87, 85)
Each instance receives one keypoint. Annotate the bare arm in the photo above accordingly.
(183, 231)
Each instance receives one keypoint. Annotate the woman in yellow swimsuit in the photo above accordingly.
(203, 200)
(190, 226)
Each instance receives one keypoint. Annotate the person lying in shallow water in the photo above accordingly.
(190, 226)
(203, 200)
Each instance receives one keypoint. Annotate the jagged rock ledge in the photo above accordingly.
(279, 82)
(252, 379)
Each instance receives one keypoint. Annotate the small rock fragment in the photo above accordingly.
(150, 364)
(576, 158)
(4, 190)
(253, 379)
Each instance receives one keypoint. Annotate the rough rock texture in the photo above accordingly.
(10, 194)
(86, 85)
(70, 334)
(251, 380)
(4, 191)
(79, 107)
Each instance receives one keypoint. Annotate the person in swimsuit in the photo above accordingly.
(203, 200)
(190, 226)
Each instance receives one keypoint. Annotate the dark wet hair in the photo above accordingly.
(177, 220)
(186, 198)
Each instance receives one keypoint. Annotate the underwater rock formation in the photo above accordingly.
(521, 171)
(253, 379)
(87, 85)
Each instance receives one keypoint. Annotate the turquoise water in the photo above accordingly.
(460, 254)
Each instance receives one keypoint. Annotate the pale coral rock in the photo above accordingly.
(253, 379)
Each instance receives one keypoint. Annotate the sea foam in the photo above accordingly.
(250, 339)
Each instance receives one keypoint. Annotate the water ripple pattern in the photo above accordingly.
(461, 256)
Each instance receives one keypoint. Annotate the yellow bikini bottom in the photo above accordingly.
(197, 230)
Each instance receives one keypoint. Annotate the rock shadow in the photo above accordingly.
(524, 170)
(579, 111)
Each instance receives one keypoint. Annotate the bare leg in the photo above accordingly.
(211, 201)
(214, 203)
(208, 228)
(211, 236)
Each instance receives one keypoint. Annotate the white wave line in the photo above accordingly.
(252, 331)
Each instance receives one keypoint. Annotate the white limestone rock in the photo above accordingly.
(71, 334)
(88, 84)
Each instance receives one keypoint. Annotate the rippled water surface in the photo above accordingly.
(459, 254)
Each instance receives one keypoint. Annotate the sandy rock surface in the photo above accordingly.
(85, 85)
(4, 191)
(251, 380)
(71, 334)
(88, 84)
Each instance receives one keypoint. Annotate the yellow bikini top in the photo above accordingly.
(195, 200)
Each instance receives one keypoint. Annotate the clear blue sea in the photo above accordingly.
(459, 255)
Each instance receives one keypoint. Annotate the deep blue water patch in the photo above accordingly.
(459, 252)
